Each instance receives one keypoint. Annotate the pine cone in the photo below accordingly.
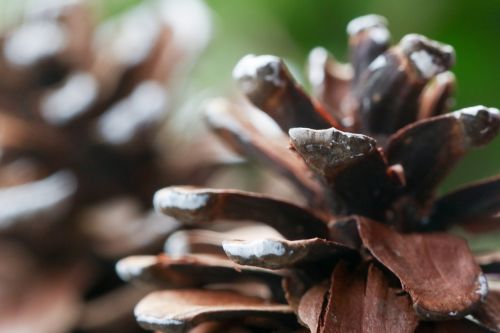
(369, 251)
(80, 109)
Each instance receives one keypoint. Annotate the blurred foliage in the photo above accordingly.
(290, 28)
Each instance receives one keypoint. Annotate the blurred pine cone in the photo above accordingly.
(369, 251)
(81, 107)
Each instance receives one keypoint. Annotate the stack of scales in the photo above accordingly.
(80, 112)
(368, 251)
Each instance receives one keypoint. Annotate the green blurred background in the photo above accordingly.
(290, 28)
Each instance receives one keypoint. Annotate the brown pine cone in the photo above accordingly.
(369, 251)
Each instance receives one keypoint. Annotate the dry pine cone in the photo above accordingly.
(369, 251)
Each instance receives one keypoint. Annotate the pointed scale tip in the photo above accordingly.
(332, 139)
(239, 251)
(474, 110)
(173, 200)
(252, 72)
(429, 57)
(481, 124)
(298, 134)
(329, 148)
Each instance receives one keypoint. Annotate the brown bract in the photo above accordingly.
(268, 84)
(439, 287)
(365, 303)
(281, 253)
(193, 271)
(426, 163)
(352, 165)
(359, 300)
(310, 310)
(195, 205)
(178, 311)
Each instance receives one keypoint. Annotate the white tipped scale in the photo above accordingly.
(424, 62)
(254, 249)
(411, 42)
(375, 24)
(298, 133)
(380, 35)
(325, 150)
(281, 253)
(28, 44)
(330, 137)
(175, 326)
(480, 124)
(124, 122)
(359, 24)
(474, 110)
(47, 198)
(184, 242)
(191, 23)
(185, 198)
(429, 57)
(252, 69)
(78, 93)
(131, 268)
